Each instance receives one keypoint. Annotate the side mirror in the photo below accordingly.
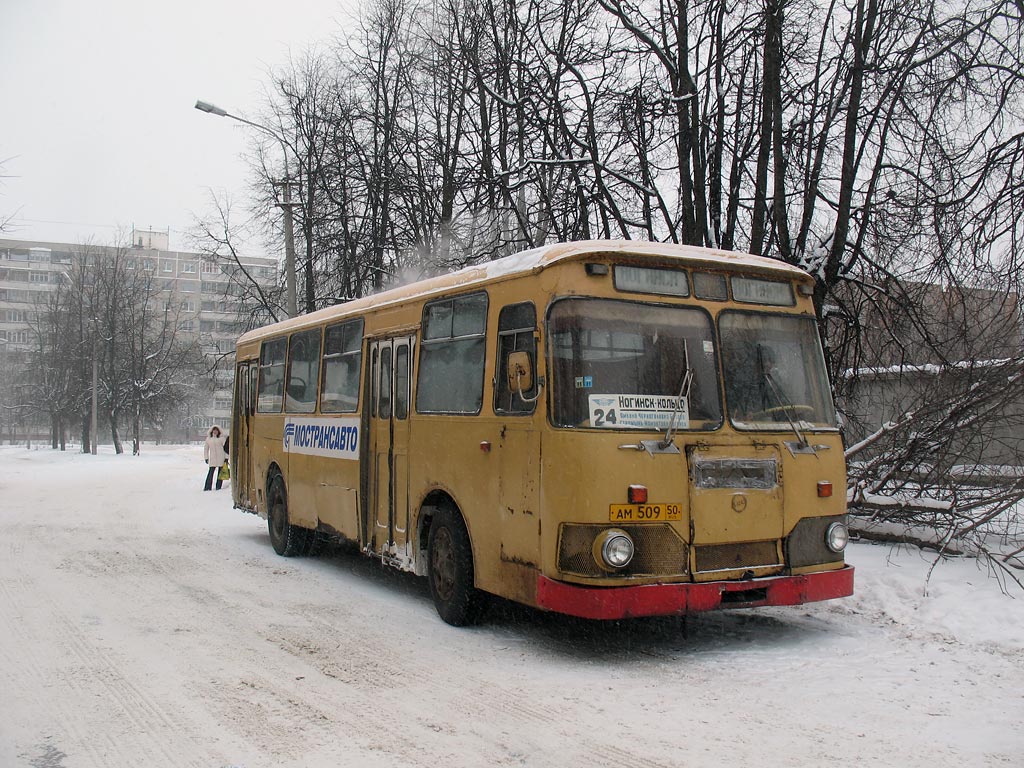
(520, 372)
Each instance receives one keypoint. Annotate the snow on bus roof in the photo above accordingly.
(528, 261)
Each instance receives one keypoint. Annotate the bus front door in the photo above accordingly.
(389, 448)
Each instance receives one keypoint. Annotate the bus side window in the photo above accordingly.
(402, 382)
(516, 326)
(384, 412)
(342, 366)
(303, 372)
(450, 378)
(271, 386)
(250, 392)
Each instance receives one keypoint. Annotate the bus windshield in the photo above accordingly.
(774, 372)
(626, 365)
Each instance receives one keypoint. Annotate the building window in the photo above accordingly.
(185, 325)
(168, 266)
(147, 264)
(189, 268)
(39, 277)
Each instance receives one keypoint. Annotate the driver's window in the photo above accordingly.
(516, 326)
(303, 372)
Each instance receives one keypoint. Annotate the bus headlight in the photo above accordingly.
(613, 549)
(837, 537)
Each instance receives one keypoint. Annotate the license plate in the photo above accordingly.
(643, 513)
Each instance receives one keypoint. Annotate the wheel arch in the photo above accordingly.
(435, 500)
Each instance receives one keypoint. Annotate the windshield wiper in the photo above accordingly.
(684, 392)
(785, 405)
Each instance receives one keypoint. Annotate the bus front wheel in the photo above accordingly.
(288, 540)
(450, 570)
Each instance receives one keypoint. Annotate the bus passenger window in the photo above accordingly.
(401, 382)
(385, 384)
(343, 360)
(271, 386)
(516, 325)
(303, 372)
(451, 369)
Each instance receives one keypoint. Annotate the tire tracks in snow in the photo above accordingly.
(132, 723)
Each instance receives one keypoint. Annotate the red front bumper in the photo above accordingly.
(667, 599)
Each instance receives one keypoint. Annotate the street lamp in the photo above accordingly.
(95, 384)
(286, 204)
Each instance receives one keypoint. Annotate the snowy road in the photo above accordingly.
(146, 623)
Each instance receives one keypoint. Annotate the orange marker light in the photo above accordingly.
(824, 489)
(637, 494)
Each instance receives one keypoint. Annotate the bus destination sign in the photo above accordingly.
(664, 282)
(638, 411)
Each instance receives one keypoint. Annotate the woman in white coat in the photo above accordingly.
(215, 455)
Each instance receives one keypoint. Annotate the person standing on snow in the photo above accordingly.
(215, 453)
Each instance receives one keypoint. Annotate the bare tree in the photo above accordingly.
(876, 144)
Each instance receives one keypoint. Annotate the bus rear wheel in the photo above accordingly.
(288, 540)
(450, 570)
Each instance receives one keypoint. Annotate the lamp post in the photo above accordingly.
(286, 204)
(95, 383)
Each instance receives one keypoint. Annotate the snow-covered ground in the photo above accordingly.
(146, 623)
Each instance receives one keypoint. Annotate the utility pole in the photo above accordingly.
(95, 380)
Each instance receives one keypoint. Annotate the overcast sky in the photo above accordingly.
(97, 126)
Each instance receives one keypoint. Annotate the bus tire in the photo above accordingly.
(450, 570)
(288, 540)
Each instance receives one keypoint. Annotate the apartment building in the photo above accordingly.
(210, 293)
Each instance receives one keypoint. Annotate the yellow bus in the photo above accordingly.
(605, 429)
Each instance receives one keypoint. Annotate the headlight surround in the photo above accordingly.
(613, 549)
(837, 536)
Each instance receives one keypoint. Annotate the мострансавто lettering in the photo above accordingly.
(326, 437)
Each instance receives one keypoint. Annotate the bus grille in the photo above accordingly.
(726, 557)
(659, 551)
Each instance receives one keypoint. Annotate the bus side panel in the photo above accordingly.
(336, 497)
(517, 459)
(464, 465)
(302, 481)
(267, 450)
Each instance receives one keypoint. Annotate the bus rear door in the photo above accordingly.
(245, 407)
